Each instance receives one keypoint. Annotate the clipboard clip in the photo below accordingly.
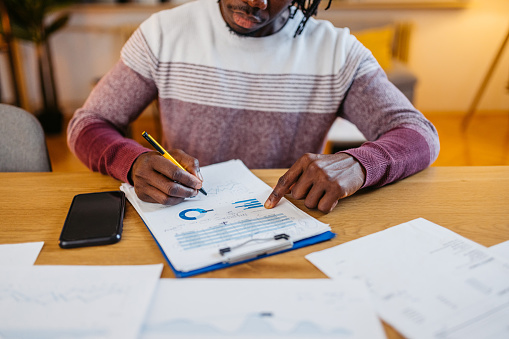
(262, 247)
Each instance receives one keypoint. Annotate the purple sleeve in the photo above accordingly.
(96, 132)
(401, 140)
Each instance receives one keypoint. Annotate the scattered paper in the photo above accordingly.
(427, 281)
(501, 249)
(261, 308)
(20, 254)
(192, 233)
(75, 301)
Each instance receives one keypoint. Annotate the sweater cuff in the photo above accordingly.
(105, 150)
(399, 153)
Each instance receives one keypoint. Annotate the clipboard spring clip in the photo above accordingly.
(273, 244)
(225, 250)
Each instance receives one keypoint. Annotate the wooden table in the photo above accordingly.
(471, 201)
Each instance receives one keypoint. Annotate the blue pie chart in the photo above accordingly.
(193, 213)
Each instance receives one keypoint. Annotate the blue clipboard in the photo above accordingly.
(298, 244)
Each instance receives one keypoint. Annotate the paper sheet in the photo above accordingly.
(75, 301)
(427, 281)
(191, 233)
(20, 254)
(261, 308)
(501, 249)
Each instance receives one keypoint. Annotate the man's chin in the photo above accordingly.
(241, 33)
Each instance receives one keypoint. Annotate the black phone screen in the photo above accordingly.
(94, 219)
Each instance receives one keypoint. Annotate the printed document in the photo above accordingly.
(427, 281)
(501, 249)
(20, 254)
(261, 308)
(100, 302)
(232, 215)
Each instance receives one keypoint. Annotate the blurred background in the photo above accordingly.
(449, 57)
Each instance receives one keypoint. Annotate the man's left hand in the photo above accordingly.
(321, 180)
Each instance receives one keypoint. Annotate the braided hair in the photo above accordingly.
(308, 8)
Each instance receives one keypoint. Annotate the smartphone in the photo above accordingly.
(94, 219)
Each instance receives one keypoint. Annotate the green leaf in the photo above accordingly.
(23, 33)
(28, 17)
(57, 24)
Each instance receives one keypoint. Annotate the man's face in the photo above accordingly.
(255, 17)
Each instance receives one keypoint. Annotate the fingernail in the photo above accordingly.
(268, 204)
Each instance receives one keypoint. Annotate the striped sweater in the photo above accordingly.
(266, 101)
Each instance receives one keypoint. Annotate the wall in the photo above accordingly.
(83, 51)
(450, 52)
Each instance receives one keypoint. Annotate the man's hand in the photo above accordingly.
(157, 179)
(320, 179)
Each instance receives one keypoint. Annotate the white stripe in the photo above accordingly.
(206, 85)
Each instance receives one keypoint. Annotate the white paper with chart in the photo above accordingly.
(231, 215)
(101, 302)
(427, 281)
(261, 308)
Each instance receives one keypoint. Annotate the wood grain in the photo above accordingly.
(472, 201)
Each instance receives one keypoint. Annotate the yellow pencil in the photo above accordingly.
(165, 154)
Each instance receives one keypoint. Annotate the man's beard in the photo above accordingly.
(234, 32)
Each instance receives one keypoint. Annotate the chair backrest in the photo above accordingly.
(402, 32)
(22, 142)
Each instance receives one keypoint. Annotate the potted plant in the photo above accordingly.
(30, 21)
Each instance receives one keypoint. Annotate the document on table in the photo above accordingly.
(427, 281)
(261, 308)
(20, 254)
(75, 301)
(501, 249)
(232, 215)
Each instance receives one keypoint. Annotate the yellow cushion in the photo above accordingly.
(379, 41)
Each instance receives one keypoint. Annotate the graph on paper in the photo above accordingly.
(261, 308)
(252, 325)
(248, 204)
(104, 302)
(227, 231)
(232, 213)
(198, 213)
(228, 187)
(193, 213)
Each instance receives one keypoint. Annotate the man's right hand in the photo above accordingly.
(157, 180)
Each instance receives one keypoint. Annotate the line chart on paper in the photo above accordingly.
(192, 233)
(227, 231)
(248, 204)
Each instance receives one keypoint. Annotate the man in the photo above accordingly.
(243, 79)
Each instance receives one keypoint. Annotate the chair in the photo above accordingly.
(22, 142)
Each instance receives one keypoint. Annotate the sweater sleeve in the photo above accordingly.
(401, 142)
(96, 133)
